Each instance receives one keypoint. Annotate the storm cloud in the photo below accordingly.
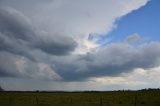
(18, 35)
(111, 60)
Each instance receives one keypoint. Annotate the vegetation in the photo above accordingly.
(114, 98)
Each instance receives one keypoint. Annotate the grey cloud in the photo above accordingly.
(16, 32)
(15, 46)
(20, 67)
(57, 45)
(112, 60)
(14, 24)
(18, 35)
(7, 65)
(19, 39)
(4, 73)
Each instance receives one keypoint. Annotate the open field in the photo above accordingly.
(147, 98)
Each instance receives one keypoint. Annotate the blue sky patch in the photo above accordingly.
(144, 21)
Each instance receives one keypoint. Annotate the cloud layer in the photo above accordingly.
(54, 40)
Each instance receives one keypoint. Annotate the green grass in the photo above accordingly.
(148, 98)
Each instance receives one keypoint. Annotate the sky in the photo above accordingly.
(77, 45)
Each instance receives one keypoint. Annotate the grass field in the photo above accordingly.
(147, 98)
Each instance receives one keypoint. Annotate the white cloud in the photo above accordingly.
(133, 39)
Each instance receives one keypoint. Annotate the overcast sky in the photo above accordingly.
(79, 44)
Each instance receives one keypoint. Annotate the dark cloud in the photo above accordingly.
(19, 38)
(4, 73)
(15, 24)
(57, 45)
(17, 35)
(112, 60)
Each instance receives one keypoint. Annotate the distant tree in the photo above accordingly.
(1, 89)
(150, 89)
